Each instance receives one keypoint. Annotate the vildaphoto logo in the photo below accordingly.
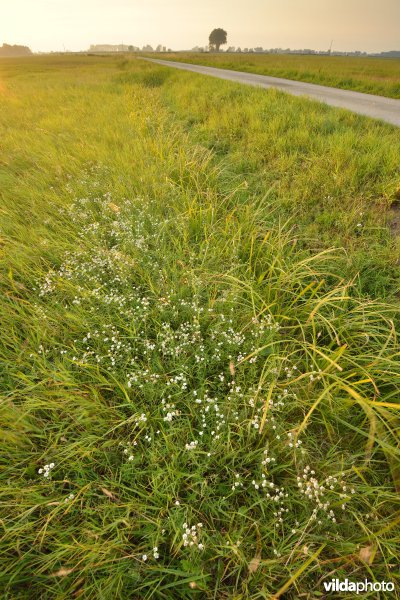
(335, 585)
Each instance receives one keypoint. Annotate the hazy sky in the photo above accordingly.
(370, 25)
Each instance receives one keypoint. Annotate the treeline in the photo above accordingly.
(390, 54)
(260, 50)
(15, 50)
(126, 48)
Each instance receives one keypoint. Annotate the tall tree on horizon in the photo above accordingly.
(217, 38)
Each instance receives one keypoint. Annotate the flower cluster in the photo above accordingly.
(128, 453)
(267, 460)
(237, 483)
(46, 470)
(169, 409)
(181, 364)
(140, 419)
(191, 534)
(318, 492)
(192, 445)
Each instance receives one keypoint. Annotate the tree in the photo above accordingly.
(16, 50)
(217, 38)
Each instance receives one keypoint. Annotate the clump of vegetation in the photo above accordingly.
(14, 50)
(194, 405)
(151, 78)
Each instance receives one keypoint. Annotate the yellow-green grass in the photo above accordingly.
(143, 260)
(379, 76)
(334, 174)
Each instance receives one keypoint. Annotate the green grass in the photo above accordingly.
(170, 341)
(335, 175)
(369, 75)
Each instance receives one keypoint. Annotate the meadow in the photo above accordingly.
(199, 353)
(379, 76)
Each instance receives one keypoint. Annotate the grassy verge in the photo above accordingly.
(193, 405)
(368, 75)
(333, 174)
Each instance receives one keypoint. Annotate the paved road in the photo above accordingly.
(378, 107)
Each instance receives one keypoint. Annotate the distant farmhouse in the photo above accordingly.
(126, 48)
(109, 48)
(8, 50)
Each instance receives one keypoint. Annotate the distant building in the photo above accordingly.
(109, 48)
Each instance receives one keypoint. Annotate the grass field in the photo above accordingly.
(199, 394)
(369, 75)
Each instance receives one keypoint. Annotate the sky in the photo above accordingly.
(44, 25)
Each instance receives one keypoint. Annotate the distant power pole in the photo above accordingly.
(330, 47)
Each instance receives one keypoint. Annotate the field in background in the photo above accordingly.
(369, 75)
(199, 395)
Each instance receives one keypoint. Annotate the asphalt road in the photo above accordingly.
(377, 107)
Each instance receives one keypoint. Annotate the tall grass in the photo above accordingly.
(193, 404)
(368, 75)
(334, 174)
